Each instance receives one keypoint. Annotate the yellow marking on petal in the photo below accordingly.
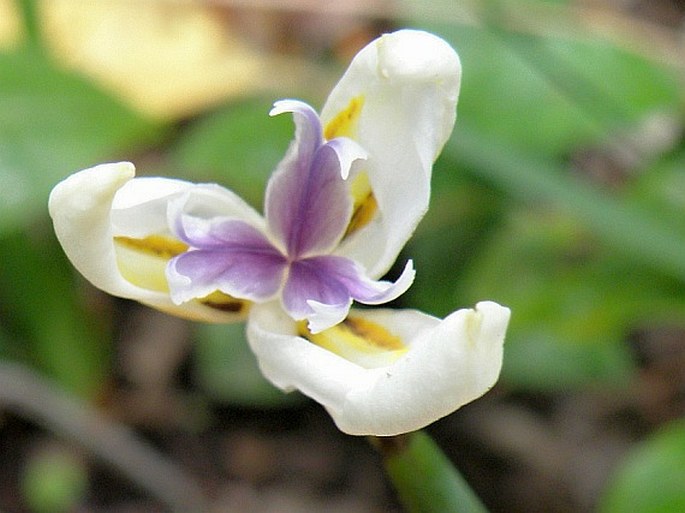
(220, 301)
(158, 245)
(143, 261)
(358, 340)
(344, 124)
(364, 205)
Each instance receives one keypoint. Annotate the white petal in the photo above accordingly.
(81, 207)
(449, 363)
(408, 82)
(211, 202)
(291, 362)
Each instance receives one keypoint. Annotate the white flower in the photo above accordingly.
(338, 209)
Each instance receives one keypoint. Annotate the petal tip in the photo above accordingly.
(89, 186)
(326, 316)
(416, 54)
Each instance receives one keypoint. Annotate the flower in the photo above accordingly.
(338, 209)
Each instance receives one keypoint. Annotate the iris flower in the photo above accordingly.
(339, 207)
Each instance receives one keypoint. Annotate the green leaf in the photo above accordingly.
(425, 479)
(462, 214)
(238, 146)
(570, 313)
(53, 123)
(651, 479)
(631, 230)
(227, 371)
(661, 188)
(550, 94)
(41, 310)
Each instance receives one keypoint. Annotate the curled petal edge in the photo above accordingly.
(81, 211)
(449, 363)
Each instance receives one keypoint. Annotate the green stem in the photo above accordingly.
(425, 479)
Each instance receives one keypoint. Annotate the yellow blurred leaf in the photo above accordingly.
(167, 59)
(11, 30)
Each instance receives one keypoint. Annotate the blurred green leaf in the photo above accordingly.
(572, 303)
(637, 233)
(661, 188)
(238, 146)
(53, 123)
(549, 95)
(54, 481)
(462, 214)
(40, 309)
(29, 14)
(652, 478)
(227, 371)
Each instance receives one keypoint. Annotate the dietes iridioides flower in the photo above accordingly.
(338, 209)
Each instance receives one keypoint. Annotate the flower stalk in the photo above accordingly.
(425, 479)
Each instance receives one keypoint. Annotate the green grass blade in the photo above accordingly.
(626, 227)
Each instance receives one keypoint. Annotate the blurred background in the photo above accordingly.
(561, 195)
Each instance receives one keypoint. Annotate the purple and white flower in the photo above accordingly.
(338, 209)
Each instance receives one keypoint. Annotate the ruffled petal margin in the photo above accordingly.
(448, 363)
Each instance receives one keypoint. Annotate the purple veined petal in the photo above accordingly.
(233, 257)
(359, 286)
(308, 280)
(307, 205)
(194, 211)
(308, 130)
(221, 233)
(321, 289)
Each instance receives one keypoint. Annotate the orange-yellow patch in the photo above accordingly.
(358, 340)
(344, 124)
(365, 205)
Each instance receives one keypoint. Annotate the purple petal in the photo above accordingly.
(326, 286)
(219, 233)
(230, 256)
(307, 203)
